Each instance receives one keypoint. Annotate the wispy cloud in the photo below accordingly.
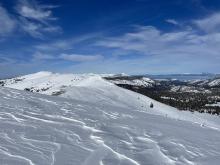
(39, 56)
(35, 19)
(55, 45)
(149, 40)
(81, 58)
(172, 21)
(5, 60)
(33, 29)
(42, 56)
(209, 24)
(7, 23)
(32, 10)
(67, 43)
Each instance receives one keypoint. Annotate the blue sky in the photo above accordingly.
(109, 36)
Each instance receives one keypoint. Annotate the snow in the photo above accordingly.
(214, 105)
(47, 82)
(184, 89)
(189, 89)
(215, 82)
(167, 98)
(94, 122)
(146, 82)
(210, 82)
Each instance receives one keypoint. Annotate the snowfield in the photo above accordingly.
(94, 122)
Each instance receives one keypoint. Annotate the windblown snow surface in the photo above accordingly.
(95, 122)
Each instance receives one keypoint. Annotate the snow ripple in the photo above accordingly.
(43, 130)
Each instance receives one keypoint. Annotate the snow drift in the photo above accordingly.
(96, 122)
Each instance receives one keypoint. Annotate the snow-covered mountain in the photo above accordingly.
(47, 82)
(215, 82)
(94, 122)
(131, 80)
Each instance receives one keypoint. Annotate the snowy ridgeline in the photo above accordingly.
(96, 123)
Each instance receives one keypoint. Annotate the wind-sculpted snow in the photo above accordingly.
(94, 89)
(45, 130)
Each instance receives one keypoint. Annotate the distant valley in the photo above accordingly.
(186, 92)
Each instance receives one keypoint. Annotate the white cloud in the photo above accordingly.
(33, 10)
(209, 24)
(42, 56)
(66, 44)
(172, 21)
(39, 56)
(81, 58)
(29, 12)
(35, 19)
(7, 24)
(178, 45)
(33, 29)
(5, 60)
(54, 46)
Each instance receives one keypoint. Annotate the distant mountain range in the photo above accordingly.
(186, 76)
(194, 94)
(196, 80)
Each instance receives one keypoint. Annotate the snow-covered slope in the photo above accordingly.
(93, 88)
(46, 82)
(215, 82)
(96, 122)
(39, 130)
